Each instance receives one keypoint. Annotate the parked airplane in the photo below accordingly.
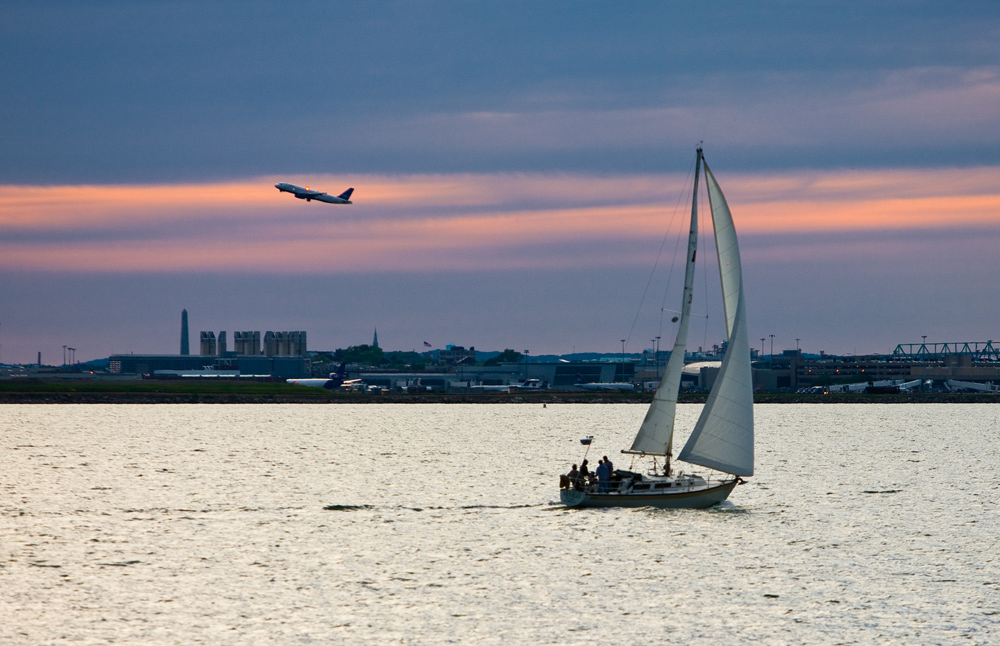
(527, 384)
(309, 195)
(336, 380)
(603, 386)
(607, 386)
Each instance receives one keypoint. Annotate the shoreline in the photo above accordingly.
(326, 397)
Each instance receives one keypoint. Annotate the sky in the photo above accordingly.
(519, 170)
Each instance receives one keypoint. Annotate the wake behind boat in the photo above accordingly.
(722, 439)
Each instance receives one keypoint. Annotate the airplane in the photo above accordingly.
(603, 386)
(615, 386)
(309, 195)
(527, 384)
(335, 381)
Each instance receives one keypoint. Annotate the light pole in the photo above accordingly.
(772, 344)
(797, 344)
(761, 347)
(64, 355)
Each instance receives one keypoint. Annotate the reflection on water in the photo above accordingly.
(428, 524)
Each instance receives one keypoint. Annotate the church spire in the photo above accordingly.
(375, 340)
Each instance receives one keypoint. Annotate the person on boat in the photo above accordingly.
(574, 478)
(603, 476)
(584, 473)
(609, 471)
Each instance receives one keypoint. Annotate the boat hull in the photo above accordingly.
(697, 499)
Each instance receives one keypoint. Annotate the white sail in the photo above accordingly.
(723, 437)
(656, 433)
(730, 268)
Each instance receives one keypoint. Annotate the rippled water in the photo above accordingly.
(428, 524)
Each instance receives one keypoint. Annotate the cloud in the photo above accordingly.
(456, 222)
(801, 115)
(151, 92)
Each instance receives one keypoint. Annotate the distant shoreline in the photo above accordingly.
(326, 397)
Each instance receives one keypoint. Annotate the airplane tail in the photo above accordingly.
(346, 195)
(340, 371)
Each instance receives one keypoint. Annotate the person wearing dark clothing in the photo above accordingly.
(574, 478)
(611, 472)
(603, 476)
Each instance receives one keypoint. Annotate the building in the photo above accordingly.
(276, 344)
(246, 343)
(792, 371)
(208, 347)
(456, 354)
(179, 366)
(283, 355)
(284, 344)
(557, 376)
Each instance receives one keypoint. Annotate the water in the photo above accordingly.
(435, 524)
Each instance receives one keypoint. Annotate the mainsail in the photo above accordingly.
(656, 433)
(723, 437)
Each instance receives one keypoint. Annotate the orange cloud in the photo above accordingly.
(449, 221)
(867, 215)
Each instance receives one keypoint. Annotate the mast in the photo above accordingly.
(655, 436)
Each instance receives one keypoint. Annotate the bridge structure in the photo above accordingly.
(980, 351)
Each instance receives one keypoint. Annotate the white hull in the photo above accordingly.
(691, 497)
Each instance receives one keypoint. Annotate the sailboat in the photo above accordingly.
(722, 438)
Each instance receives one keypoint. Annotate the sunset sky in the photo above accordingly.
(518, 168)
